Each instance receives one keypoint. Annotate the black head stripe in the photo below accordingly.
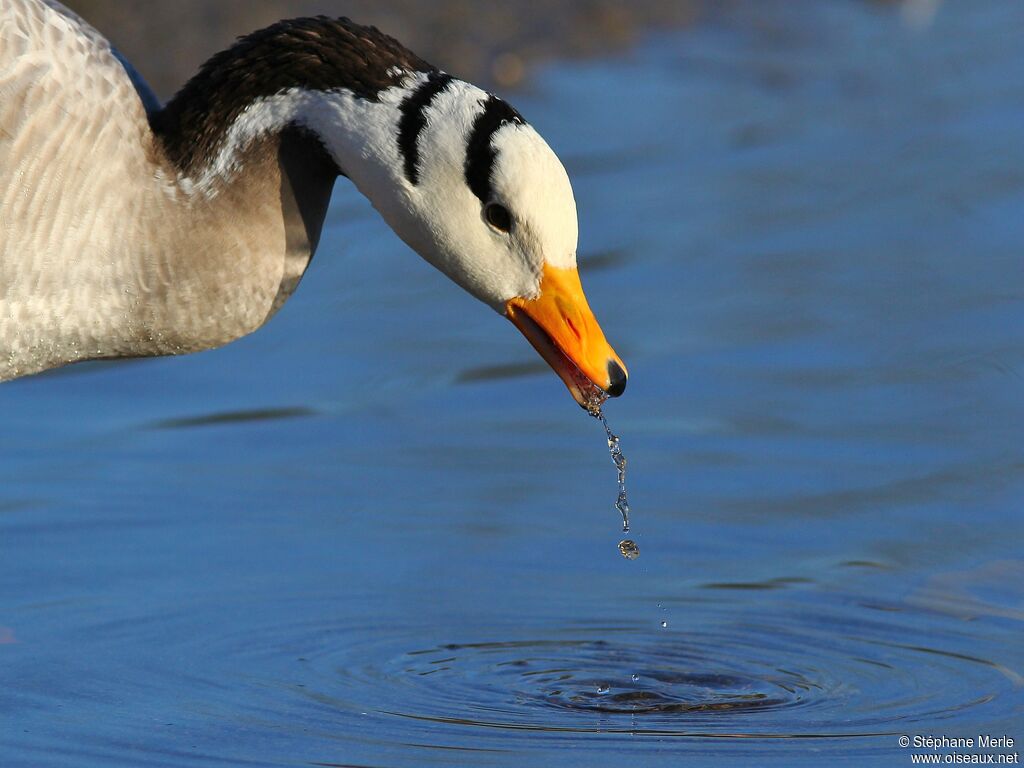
(480, 155)
(414, 119)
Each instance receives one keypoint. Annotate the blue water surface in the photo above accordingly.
(378, 532)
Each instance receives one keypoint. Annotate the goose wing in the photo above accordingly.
(79, 180)
(76, 151)
(146, 95)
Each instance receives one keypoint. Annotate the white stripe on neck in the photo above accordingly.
(356, 131)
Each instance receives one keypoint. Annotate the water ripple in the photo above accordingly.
(781, 667)
(788, 676)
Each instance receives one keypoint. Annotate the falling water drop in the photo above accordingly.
(635, 677)
(664, 625)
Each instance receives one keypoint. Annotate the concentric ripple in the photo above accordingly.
(786, 667)
(593, 676)
(781, 676)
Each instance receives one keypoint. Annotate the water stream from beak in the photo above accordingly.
(627, 547)
(622, 503)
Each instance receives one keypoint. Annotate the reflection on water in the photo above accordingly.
(231, 417)
(325, 545)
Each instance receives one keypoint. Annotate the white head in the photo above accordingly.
(488, 203)
(479, 194)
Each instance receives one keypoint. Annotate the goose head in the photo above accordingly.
(486, 201)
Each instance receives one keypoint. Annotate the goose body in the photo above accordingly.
(129, 229)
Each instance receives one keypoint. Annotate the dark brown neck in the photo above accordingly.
(312, 53)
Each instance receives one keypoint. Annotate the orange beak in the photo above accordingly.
(561, 327)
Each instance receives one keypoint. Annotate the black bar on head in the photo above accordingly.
(414, 119)
(480, 155)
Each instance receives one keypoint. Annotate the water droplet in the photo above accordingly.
(603, 688)
(664, 624)
(635, 677)
(629, 549)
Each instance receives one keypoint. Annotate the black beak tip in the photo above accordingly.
(616, 379)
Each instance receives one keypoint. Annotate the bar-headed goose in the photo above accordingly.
(130, 229)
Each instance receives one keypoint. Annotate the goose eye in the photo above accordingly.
(498, 216)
